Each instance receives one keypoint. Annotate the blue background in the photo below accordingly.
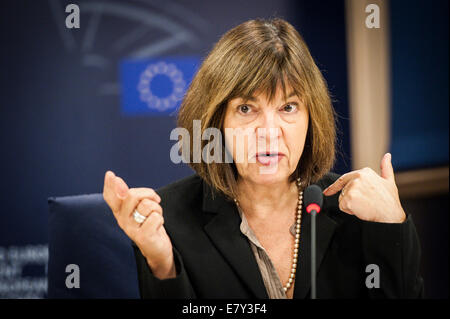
(419, 49)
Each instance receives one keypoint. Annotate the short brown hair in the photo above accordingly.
(260, 55)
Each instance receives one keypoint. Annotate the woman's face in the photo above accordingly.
(267, 138)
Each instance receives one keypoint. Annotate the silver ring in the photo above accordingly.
(138, 217)
(342, 192)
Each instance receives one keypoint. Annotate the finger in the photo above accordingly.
(341, 194)
(109, 194)
(387, 171)
(146, 206)
(339, 183)
(134, 196)
(152, 223)
(344, 200)
(120, 188)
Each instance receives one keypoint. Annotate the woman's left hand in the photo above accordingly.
(369, 196)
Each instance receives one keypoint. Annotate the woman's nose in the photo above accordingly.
(268, 126)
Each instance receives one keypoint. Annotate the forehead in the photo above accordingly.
(257, 96)
(260, 96)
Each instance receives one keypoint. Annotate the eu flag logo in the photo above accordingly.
(155, 86)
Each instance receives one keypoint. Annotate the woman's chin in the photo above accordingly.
(265, 175)
(270, 178)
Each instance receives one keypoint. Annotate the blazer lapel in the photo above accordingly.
(224, 231)
(325, 227)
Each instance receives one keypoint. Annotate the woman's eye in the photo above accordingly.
(244, 109)
(289, 108)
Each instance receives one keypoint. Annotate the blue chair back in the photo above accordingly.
(84, 232)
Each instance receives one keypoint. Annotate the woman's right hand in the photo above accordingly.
(150, 236)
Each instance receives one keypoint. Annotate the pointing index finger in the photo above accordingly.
(339, 184)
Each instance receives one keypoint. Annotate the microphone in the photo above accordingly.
(313, 203)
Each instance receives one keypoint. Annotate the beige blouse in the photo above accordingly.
(272, 282)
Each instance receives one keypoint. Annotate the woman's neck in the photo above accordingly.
(266, 201)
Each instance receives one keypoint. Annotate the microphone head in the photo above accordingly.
(313, 198)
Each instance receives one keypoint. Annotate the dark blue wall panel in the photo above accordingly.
(419, 48)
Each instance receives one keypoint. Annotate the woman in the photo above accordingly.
(238, 229)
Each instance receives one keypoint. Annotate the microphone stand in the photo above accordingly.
(313, 254)
(314, 200)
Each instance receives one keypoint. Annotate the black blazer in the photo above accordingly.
(214, 260)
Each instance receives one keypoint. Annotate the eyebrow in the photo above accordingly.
(252, 98)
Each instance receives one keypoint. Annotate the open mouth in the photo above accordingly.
(269, 158)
